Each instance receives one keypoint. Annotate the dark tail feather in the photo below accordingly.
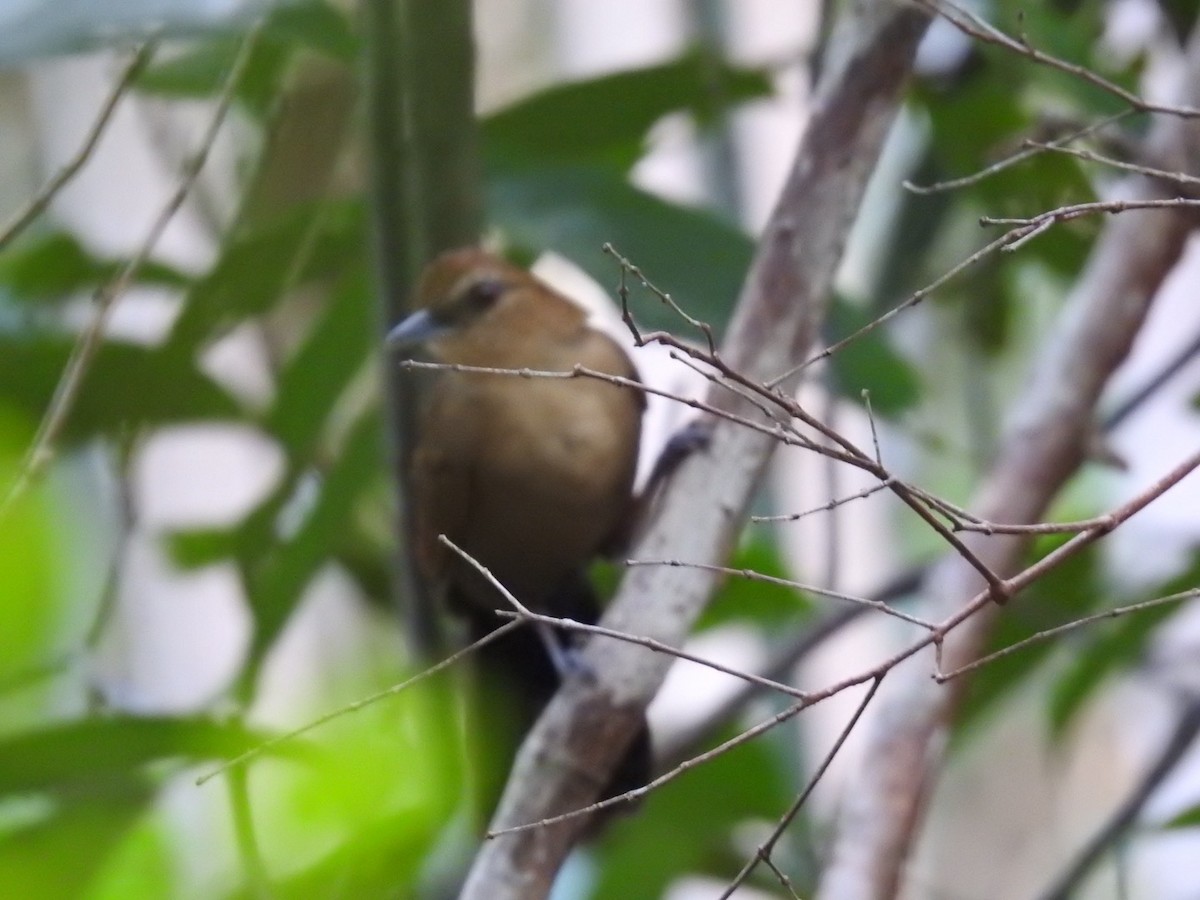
(514, 681)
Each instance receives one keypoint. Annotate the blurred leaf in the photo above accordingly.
(686, 825)
(361, 821)
(753, 601)
(127, 385)
(605, 119)
(869, 363)
(54, 266)
(376, 858)
(144, 863)
(61, 855)
(1076, 37)
(1189, 818)
(203, 69)
(1182, 16)
(574, 210)
(32, 598)
(276, 587)
(317, 25)
(981, 119)
(315, 376)
(95, 749)
(315, 241)
(1066, 593)
(1109, 648)
(194, 548)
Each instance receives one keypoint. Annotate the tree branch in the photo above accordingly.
(1045, 444)
(566, 757)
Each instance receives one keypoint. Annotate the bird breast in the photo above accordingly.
(557, 480)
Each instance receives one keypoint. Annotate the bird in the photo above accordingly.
(532, 477)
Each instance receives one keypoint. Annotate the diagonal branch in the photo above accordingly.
(1045, 444)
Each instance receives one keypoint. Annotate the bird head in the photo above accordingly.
(469, 297)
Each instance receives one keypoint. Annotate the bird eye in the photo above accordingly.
(483, 294)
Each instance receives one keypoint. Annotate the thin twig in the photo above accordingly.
(763, 853)
(826, 507)
(1176, 177)
(40, 201)
(1173, 750)
(391, 691)
(1027, 152)
(912, 300)
(523, 613)
(752, 575)
(1023, 227)
(627, 266)
(66, 393)
(1115, 612)
(974, 26)
(979, 601)
(528, 615)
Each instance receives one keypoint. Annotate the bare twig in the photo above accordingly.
(1047, 634)
(41, 453)
(40, 201)
(627, 316)
(585, 727)
(1028, 151)
(1187, 727)
(825, 507)
(242, 758)
(653, 645)
(1176, 177)
(752, 575)
(523, 613)
(980, 601)
(1035, 224)
(974, 26)
(1045, 443)
(763, 853)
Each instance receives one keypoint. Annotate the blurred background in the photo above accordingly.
(197, 556)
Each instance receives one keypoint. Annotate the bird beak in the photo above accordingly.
(415, 329)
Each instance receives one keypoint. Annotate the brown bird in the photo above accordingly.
(532, 477)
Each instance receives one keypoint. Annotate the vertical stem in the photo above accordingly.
(425, 196)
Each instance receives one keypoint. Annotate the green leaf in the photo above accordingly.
(54, 266)
(1189, 818)
(376, 857)
(869, 363)
(1112, 647)
(338, 344)
(91, 750)
(316, 25)
(61, 855)
(194, 548)
(276, 587)
(202, 69)
(1066, 593)
(127, 385)
(605, 119)
(197, 72)
(33, 604)
(750, 600)
(693, 255)
(983, 118)
(314, 241)
(686, 824)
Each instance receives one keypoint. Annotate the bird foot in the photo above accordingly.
(692, 437)
(566, 658)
